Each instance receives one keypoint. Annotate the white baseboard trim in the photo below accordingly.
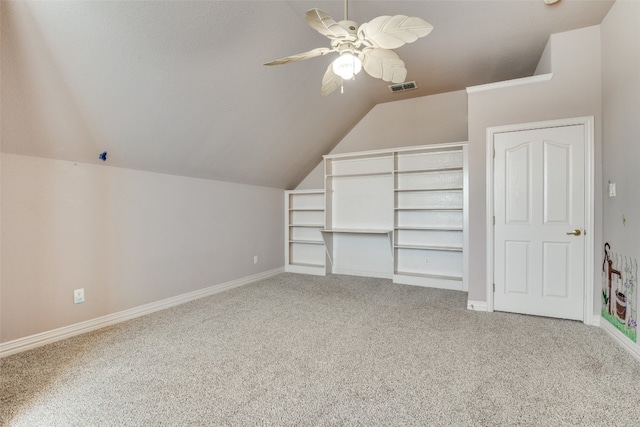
(477, 305)
(595, 320)
(621, 339)
(27, 343)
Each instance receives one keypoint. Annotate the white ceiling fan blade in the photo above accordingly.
(325, 25)
(330, 81)
(390, 32)
(384, 64)
(301, 56)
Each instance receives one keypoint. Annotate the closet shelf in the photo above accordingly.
(307, 225)
(306, 209)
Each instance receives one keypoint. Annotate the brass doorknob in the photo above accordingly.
(575, 232)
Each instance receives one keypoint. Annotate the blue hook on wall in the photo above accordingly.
(103, 156)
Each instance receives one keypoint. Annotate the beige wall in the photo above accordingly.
(431, 119)
(574, 91)
(621, 125)
(127, 237)
(621, 142)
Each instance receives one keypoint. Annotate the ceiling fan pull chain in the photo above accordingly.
(341, 87)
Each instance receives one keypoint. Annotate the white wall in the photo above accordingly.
(431, 119)
(574, 91)
(127, 237)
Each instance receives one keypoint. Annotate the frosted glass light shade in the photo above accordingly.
(347, 65)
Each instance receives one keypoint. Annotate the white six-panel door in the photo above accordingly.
(539, 208)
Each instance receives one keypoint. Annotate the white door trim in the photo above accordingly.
(588, 123)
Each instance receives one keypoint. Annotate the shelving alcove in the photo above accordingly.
(399, 214)
(304, 219)
(430, 241)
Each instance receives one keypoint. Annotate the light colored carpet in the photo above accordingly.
(301, 350)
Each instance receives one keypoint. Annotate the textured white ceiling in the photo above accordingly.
(179, 87)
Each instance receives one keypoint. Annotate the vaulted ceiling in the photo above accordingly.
(179, 87)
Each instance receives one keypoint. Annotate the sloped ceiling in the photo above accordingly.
(179, 87)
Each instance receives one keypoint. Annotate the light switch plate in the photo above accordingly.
(612, 189)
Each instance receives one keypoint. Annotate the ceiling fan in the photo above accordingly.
(368, 45)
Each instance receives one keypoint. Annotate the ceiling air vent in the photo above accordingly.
(401, 87)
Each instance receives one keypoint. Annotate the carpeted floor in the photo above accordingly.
(302, 350)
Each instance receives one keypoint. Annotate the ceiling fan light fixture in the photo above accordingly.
(367, 46)
(347, 65)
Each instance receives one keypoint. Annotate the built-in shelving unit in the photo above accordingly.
(398, 213)
(429, 238)
(304, 247)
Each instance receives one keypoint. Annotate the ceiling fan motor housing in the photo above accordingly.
(351, 40)
(350, 26)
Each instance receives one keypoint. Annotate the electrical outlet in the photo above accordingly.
(255, 259)
(78, 296)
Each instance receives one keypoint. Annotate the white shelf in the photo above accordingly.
(427, 228)
(399, 190)
(308, 242)
(360, 175)
(435, 170)
(429, 218)
(350, 165)
(357, 230)
(424, 208)
(431, 247)
(304, 248)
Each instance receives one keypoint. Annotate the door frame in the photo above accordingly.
(588, 123)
